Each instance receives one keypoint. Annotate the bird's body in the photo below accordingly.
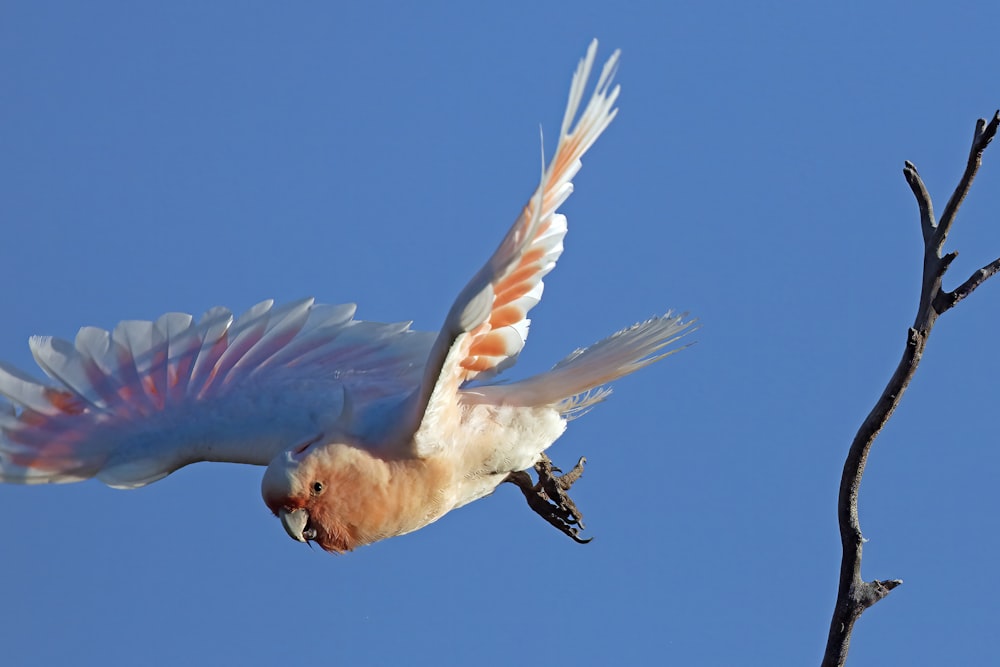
(382, 495)
(368, 430)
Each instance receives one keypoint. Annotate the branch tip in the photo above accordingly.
(919, 190)
(985, 131)
(888, 584)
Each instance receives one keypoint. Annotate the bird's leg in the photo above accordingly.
(549, 498)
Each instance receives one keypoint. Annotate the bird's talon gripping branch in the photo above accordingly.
(548, 497)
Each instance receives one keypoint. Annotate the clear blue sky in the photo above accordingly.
(197, 154)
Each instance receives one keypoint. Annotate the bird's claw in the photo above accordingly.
(549, 498)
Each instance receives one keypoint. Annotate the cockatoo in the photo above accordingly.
(368, 430)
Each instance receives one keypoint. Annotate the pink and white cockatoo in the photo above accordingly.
(368, 430)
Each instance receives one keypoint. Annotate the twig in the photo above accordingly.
(854, 594)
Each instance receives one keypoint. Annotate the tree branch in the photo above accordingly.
(916, 184)
(981, 138)
(947, 300)
(854, 595)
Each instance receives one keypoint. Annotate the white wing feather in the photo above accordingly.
(569, 384)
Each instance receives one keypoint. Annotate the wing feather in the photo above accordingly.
(487, 326)
(131, 405)
(570, 384)
(512, 278)
(212, 331)
(286, 323)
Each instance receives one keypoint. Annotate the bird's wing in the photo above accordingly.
(132, 405)
(487, 325)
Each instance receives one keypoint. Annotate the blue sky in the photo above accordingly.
(186, 155)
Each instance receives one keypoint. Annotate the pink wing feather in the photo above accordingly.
(131, 405)
(487, 325)
(533, 245)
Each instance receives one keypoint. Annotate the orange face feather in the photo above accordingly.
(354, 497)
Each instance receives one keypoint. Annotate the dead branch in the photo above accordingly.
(854, 594)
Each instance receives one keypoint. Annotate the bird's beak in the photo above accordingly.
(295, 523)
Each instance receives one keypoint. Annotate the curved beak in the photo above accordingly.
(295, 524)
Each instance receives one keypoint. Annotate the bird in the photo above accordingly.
(368, 430)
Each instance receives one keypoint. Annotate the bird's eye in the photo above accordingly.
(317, 488)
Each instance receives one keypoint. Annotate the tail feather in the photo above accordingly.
(571, 383)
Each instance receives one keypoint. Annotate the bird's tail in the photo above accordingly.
(576, 383)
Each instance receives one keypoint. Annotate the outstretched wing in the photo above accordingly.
(132, 405)
(486, 327)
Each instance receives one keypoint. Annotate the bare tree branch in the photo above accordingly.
(854, 594)
(916, 183)
(948, 300)
(980, 140)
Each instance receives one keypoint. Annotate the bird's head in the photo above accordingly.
(297, 487)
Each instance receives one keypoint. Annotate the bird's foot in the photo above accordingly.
(549, 498)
